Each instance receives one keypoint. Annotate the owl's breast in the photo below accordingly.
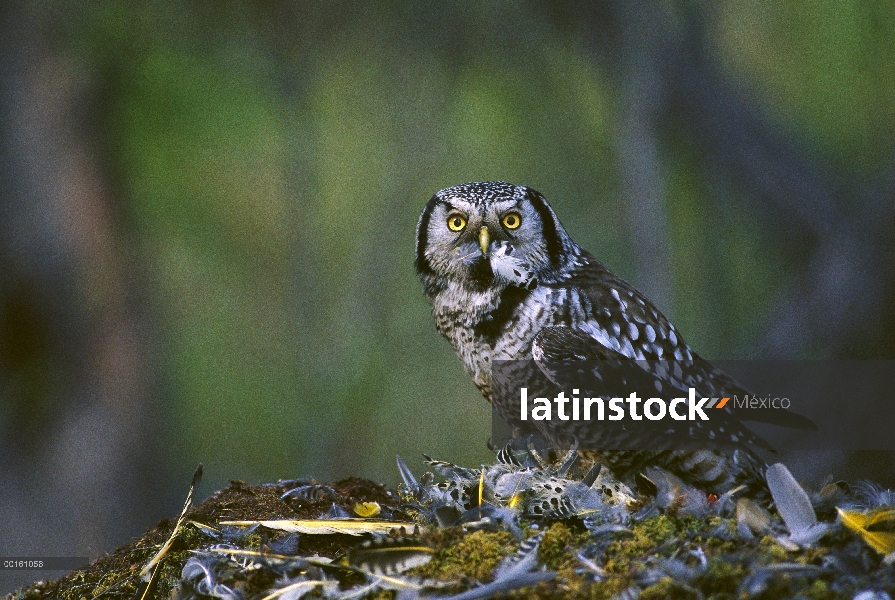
(498, 327)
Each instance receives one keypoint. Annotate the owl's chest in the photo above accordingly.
(488, 327)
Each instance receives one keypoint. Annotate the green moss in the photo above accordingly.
(577, 588)
(608, 588)
(669, 588)
(774, 551)
(722, 577)
(557, 549)
(474, 555)
(812, 556)
(381, 595)
(113, 578)
(647, 538)
(820, 590)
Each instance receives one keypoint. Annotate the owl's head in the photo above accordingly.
(487, 234)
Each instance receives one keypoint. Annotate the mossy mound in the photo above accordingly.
(655, 553)
(116, 576)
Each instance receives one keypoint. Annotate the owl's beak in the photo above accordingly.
(484, 239)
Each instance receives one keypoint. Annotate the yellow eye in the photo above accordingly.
(512, 220)
(456, 223)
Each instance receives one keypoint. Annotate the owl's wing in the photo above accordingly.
(618, 317)
(571, 359)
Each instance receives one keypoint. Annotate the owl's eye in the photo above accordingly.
(512, 220)
(456, 223)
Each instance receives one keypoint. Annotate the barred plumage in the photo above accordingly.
(507, 283)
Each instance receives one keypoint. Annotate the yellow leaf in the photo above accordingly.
(876, 527)
(325, 527)
(367, 509)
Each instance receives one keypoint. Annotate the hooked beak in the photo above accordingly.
(484, 239)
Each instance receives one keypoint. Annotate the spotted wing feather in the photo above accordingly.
(616, 376)
(620, 318)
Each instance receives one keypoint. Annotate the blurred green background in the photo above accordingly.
(208, 213)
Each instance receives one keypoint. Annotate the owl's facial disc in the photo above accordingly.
(489, 235)
(472, 242)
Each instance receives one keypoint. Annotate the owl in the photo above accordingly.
(508, 286)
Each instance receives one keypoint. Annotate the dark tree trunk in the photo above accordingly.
(73, 336)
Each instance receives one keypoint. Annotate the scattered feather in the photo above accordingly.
(726, 504)
(231, 533)
(876, 527)
(608, 528)
(492, 518)
(407, 588)
(509, 485)
(647, 576)
(595, 571)
(447, 515)
(287, 544)
(756, 583)
(535, 455)
(452, 471)
(199, 573)
(752, 519)
(565, 465)
(629, 593)
(247, 559)
(548, 499)
(646, 486)
(335, 512)
(830, 496)
(869, 495)
(512, 456)
(252, 558)
(389, 556)
(591, 477)
(511, 574)
(694, 564)
(208, 530)
(872, 595)
(284, 483)
(525, 559)
(787, 544)
(293, 591)
(481, 487)
(646, 512)
(613, 490)
(674, 495)
(794, 506)
(410, 481)
(310, 493)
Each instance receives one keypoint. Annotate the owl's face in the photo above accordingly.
(483, 235)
